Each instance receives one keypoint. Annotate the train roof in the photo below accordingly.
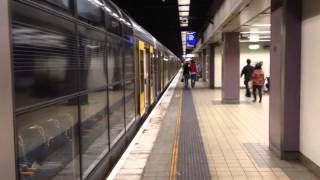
(139, 31)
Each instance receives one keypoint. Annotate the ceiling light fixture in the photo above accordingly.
(261, 25)
(256, 32)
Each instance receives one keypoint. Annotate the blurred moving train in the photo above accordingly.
(85, 76)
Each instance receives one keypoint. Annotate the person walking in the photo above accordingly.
(193, 73)
(247, 72)
(258, 82)
(186, 74)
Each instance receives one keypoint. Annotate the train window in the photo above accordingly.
(65, 4)
(115, 66)
(128, 33)
(113, 25)
(92, 61)
(127, 29)
(129, 101)
(113, 18)
(91, 10)
(44, 64)
(116, 111)
(128, 61)
(48, 143)
(94, 129)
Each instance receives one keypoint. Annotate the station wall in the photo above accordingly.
(255, 56)
(310, 82)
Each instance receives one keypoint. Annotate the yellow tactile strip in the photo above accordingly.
(236, 140)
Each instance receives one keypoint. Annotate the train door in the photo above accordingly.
(151, 75)
(141, 75)
(161, 72)
(147, 77)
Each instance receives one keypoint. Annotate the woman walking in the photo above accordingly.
(193, 73)
(257, 82)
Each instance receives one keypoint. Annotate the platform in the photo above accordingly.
(192, 135)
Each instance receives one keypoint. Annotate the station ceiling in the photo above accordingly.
(161, 18)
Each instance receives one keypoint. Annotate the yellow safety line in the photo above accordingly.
(173, 170)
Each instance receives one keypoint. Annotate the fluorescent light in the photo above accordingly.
(184, 25)
(264, 40)
(183, 14)
(184, 8)
(254, 46)
(183, 2)
(256, 32)
(261, 25)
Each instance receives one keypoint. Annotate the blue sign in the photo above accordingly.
(191, 39)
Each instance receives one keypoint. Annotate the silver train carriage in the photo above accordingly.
(85, 77)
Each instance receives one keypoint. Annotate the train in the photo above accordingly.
(85, 77)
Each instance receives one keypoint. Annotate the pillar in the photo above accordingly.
(231, 68)
(201, 61)
(211, 51)
(204, 66)
(285, 78)
(7, 151)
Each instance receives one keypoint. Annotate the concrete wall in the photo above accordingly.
(310, 82)
(255, 56)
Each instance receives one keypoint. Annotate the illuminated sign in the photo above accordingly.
(254, 46)
(191, 39)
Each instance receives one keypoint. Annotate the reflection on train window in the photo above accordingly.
(115, 70)
(61, 3)
(113, 18)
(94, 129)
(93, 65)
(91, 10)
(130, 102)
(128, 62)
(116, 110)
(48, 143)
(44, 64)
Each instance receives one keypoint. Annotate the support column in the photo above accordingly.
(231, 68)
(7, 151)
(204, 67)
(285, 78)
(211, 50)
(200, 60)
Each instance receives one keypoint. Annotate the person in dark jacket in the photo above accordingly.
(186, 74)
(247, 72)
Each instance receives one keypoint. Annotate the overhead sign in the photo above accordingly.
(191, 40)
(254, 46)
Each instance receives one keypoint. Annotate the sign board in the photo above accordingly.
(191, 40)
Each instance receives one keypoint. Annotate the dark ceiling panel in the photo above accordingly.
(158, 17)
(161, 18)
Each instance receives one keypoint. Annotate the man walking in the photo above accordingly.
(186, 74)
(247, 72)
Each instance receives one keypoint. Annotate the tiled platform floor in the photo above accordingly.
(235, 139)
